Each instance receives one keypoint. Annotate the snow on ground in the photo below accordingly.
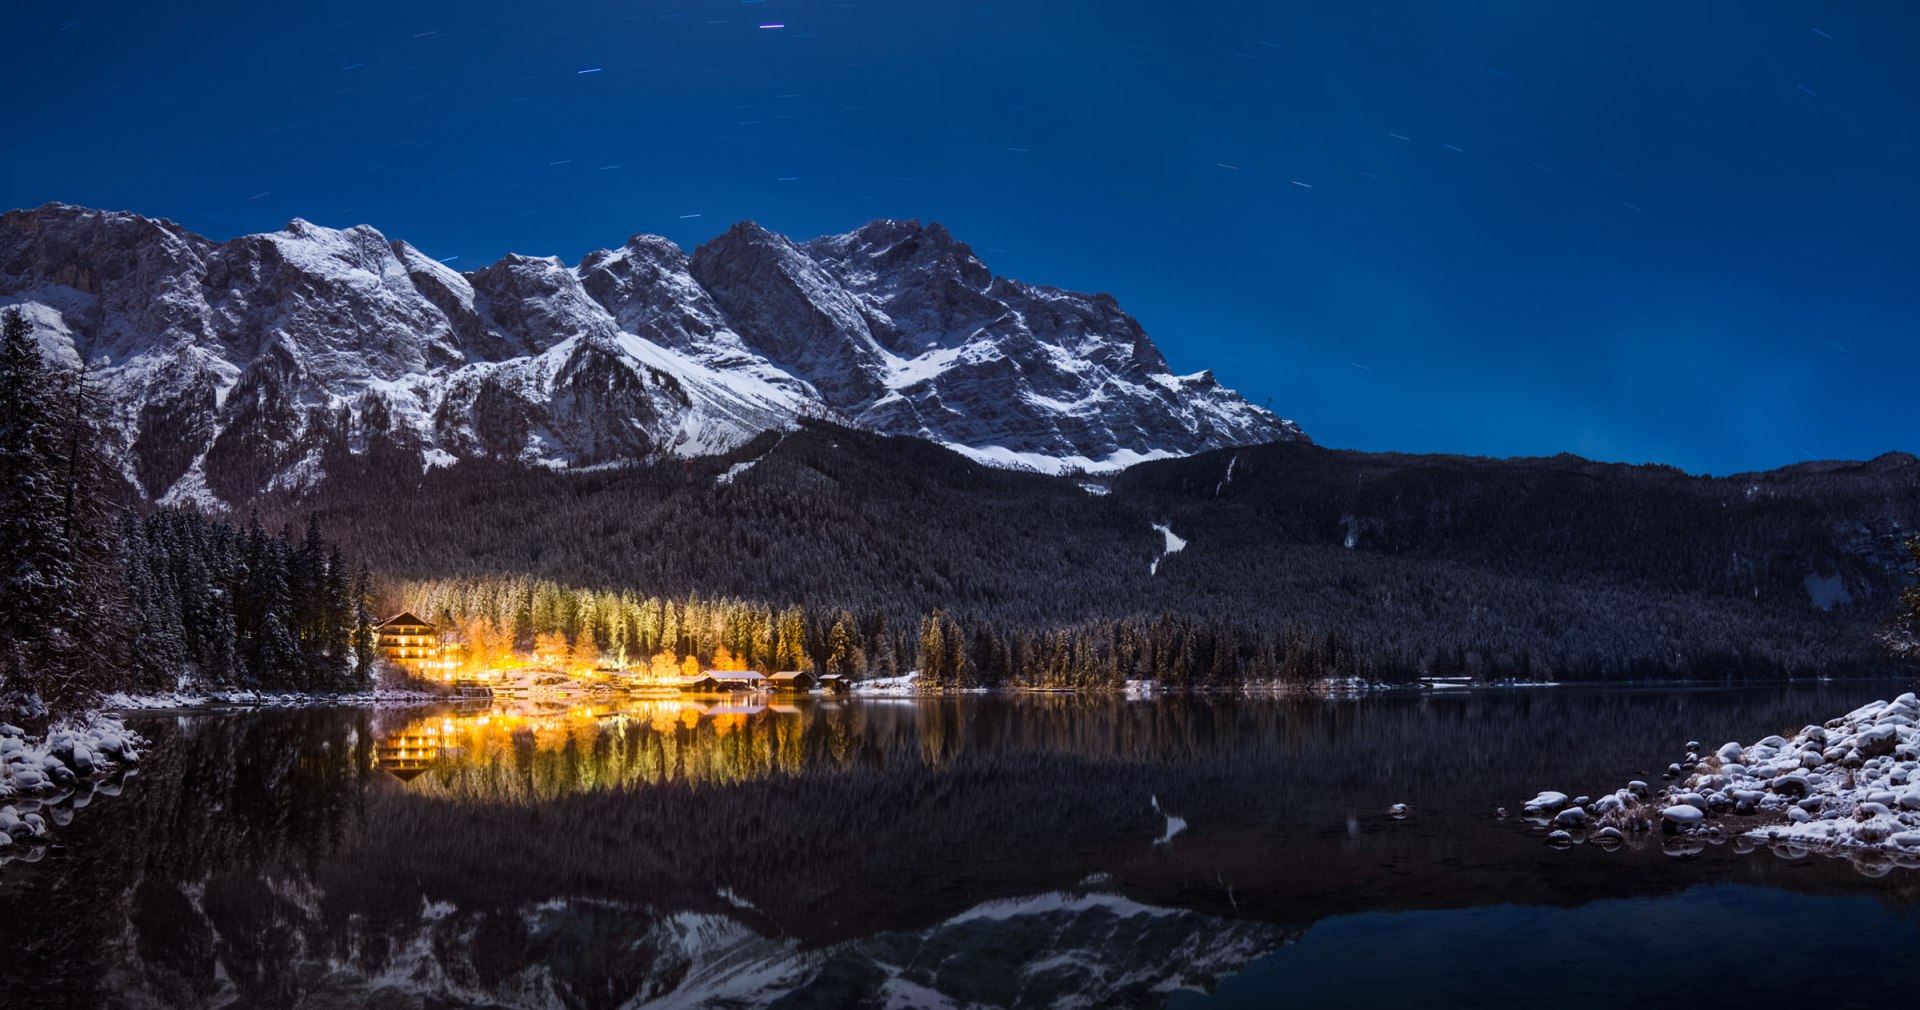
(1175, 824)
(1174, 546)
(1848, 787)
(904, 685)
(1010, 459)
(260, 699)
(734, 471)
(58, 773)
(1052, 903)
(1227, 478)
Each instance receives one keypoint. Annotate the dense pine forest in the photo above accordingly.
(99, 598)
(583, 628)
(1298, 561)
(841, 551)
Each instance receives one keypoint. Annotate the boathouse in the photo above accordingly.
(722, 680)
(792, 680)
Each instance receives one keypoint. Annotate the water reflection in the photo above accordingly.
(1000, 851)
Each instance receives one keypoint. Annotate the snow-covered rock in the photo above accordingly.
(1684, 816)
(234, 367)
(1857, 798)
(62, 767)
(1546, 803)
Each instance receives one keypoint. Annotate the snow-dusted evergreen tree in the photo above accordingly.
(265, 612)
(1903, 638)
(34, 570)
(156, 641)
(363, 635)
(307, 596)
(58, 583)
(882, 659)
(339, 620)
(844, 653)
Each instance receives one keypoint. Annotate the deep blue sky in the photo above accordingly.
(1682, 232)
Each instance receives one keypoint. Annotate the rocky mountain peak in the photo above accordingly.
(218, 355)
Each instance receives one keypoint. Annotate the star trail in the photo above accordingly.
(1636, 231)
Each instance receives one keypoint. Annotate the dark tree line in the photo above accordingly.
(213, 606)
(1171, 651)
(1902, 638)
(94, 598)
(58, 585)
(1556, 568)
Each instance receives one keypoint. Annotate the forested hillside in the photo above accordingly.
(95, 597)
(826, 547)
(1379, 564)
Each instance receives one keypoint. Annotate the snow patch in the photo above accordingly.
(1175, 825)
(1174, 545)
(902, 686)
(1039, 462)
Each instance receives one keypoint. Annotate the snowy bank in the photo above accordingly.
(47, 779)
(887, 687)
(263, 699)
(1848, 787)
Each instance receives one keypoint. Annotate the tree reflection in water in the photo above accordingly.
(994, 849)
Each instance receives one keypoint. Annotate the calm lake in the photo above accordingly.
(993, 851)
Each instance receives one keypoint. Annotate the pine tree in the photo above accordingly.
(44, 605)
(338, 622)
(276, 662)
(272, 648)
(844, 654)
(791, 645)
(586, 652)
(1903, 638)
(156, 648)
(363, 620)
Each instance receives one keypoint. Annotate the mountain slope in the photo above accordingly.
(240, 367)
(1557, 566)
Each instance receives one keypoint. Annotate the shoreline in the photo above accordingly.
(186, 701)
(47, 777)
(1849, 787)
(906, 687)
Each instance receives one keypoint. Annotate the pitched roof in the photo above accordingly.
(405, 617)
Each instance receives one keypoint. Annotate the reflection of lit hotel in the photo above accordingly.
(406, 754)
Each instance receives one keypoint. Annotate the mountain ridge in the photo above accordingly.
(230, 366)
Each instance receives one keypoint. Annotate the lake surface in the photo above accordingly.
(995, 851)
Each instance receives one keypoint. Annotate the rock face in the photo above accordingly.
(238, 367)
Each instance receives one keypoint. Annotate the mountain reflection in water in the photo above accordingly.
(955, 851)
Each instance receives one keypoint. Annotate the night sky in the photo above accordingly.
(1683, 232)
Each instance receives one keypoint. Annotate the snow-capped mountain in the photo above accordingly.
(235, 367)
(1062, 949)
